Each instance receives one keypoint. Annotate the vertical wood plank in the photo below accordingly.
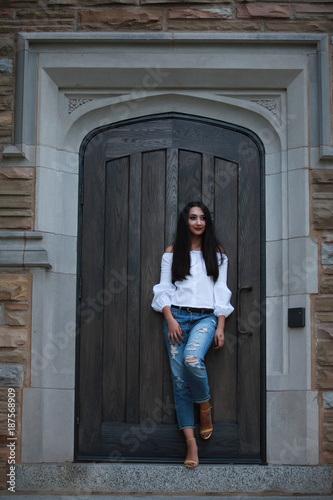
(190, 179)
(208, 188)
(171, 216)
(171, 196)
(116, 274)
(225, 360)
(152, 247)
(91, 316)
(134, 283)
(249, 274)
(208, 182)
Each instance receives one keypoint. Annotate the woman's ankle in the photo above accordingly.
(205, 407)
(188, 434)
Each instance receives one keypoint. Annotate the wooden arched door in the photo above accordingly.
(135, 177)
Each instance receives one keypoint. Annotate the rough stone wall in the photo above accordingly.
(322, 189)
(202, 15)
(17, 184)
(15, 302)
(16, 201)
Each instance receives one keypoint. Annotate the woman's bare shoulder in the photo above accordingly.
(169, 249)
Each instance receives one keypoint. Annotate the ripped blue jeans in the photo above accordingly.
(188, 371)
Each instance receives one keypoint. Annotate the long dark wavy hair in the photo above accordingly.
(210, 245)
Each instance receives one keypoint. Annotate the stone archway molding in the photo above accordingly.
(246, 113)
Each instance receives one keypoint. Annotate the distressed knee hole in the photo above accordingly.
(191, 360)
(202, 330)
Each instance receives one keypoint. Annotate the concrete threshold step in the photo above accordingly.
(35, 496)
(147, 479)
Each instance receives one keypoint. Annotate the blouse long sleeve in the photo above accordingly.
(222, 294)
(165, 289)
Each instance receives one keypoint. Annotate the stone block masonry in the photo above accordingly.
(120, 19)
(16, 202)
(14, 354)
(145, 15)
(322, 189)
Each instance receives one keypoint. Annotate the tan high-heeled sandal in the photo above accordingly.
(191, 464)
(206, 430)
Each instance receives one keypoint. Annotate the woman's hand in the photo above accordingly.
(219, 333)
(174, 331)
(218, 338)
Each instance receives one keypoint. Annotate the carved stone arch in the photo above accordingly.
(242, 113)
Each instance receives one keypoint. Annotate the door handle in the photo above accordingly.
(240, 290)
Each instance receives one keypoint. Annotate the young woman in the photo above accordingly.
(195, 300)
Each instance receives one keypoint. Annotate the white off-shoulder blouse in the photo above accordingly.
(197, 290)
